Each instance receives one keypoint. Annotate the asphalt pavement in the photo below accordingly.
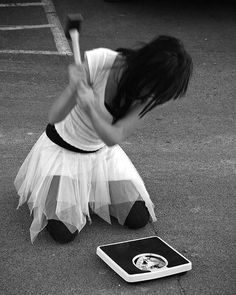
(185, 154)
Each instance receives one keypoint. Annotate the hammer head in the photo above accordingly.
(73, 22)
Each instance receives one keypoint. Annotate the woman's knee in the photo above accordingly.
(59, 232)
(138, 216)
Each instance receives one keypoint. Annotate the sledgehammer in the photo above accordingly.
(73, 27)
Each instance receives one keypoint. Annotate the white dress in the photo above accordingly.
(60, 184)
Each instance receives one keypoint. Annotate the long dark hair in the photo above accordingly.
(160, 69)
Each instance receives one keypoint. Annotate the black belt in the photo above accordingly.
(57, 139)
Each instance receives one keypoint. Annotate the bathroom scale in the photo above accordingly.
(143, 259)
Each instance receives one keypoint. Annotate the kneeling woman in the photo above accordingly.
(77, 166)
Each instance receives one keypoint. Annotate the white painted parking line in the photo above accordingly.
(12, 28)
(54, 24)
(33, 52)
(56, 28)
(22, 4)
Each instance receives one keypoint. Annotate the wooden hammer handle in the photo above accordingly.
(74, 34)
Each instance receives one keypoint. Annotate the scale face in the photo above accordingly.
(143, 259)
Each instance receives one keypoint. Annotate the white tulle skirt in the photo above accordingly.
(64, 185)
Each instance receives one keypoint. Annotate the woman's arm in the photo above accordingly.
(63, 105)
(67, 100)
(113, 134)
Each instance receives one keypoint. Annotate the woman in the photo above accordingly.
(77, 165)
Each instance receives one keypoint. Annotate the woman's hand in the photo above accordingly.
(78, 78)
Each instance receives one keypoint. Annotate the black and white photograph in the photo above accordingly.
(117, 147)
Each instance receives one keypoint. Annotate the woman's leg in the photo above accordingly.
(56, 228)
(59, 232)
(138, 216)
(127, 205)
